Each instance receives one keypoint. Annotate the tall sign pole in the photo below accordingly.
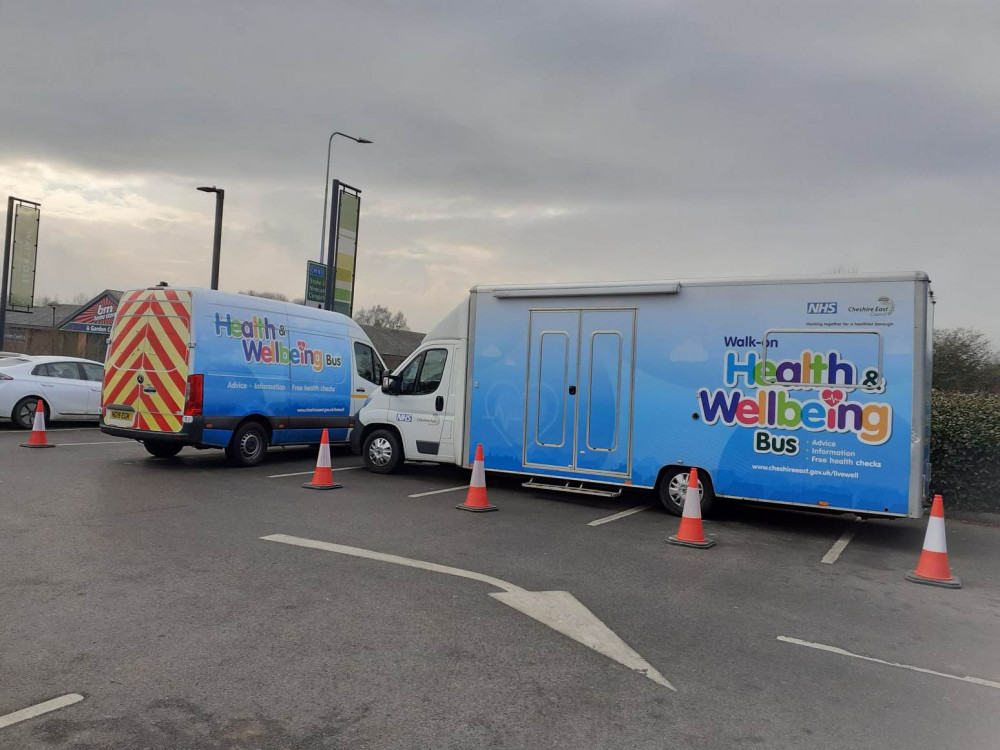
(331, 253)
(30, 242)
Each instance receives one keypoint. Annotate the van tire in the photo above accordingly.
(672, 489)
(161, 448)
(23, 413)
(382, 452)
(248, 445)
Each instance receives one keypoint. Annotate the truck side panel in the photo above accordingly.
(795, 393)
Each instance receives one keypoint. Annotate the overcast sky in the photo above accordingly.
(514, 142)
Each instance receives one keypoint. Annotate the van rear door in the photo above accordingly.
(147, 363)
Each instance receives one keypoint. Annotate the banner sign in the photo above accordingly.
(96, 316)
(347, 244)
(25, 250)
(315, 282)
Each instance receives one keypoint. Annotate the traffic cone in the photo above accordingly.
(932, 568)
(37, 439)
(323, 476)
(690, 534)
(476, 499)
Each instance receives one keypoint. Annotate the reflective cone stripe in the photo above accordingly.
(691, 533)
(323, 475)
(476, 498)
(933, 563)
(37, 438)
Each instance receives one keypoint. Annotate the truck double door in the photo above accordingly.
(578, 406)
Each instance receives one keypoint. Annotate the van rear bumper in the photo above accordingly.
(190, 433)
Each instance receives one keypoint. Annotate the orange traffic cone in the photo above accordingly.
(932, 568)
(37, 439)
(690, 534)
(476, 499)
(323, 476)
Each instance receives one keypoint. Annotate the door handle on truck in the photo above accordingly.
(439, 403)
(572, 390)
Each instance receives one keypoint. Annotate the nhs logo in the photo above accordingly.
(821, 308)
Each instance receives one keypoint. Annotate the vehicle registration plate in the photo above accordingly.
(120, 417)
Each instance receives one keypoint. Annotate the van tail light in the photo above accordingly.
(193, 395)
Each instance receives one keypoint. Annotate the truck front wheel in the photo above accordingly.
(673, 489)
(382, 452)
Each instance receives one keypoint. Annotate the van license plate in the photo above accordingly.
(120, 418)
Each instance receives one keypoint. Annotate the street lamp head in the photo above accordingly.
(364, 140)
(212, 189)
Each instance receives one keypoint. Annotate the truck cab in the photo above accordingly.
(417, 414)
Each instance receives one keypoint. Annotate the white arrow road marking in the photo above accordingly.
(559, 610)
(40, 708)
(842, 652)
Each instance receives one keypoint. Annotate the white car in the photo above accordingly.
(70, 388)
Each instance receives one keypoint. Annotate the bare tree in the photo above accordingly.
(381, 316)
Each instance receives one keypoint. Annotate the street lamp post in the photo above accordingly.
(326, 188)
(54, 306)
(220, 197)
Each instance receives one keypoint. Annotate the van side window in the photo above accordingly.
(432, 371)
(367, 363)
(363, 362)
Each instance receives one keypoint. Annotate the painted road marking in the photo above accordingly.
(842, 652)
(616, 516)
(841, 544)
(39, 709)
(560, 610)
(438, 492)
(303, 473)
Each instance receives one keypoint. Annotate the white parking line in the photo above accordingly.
(303, 473)
(842, 652)
(616, 516)
(438, 492)
(40, 708)
(840, 545)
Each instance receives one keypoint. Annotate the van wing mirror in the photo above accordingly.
(390, 384)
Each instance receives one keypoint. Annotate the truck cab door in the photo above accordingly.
(422, 407)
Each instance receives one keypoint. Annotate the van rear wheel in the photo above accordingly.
(383, 452)
(161, 448)
(673, 490)
(248, 445)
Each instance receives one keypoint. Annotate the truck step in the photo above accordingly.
(576, 487)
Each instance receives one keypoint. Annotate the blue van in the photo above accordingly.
(210, 369)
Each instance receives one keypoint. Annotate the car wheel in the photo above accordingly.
(162, 448)
(23, 414)
(248, 446)
(383, 453)
(673, 490)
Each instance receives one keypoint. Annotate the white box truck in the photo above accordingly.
(810, 391)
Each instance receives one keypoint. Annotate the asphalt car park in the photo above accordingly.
(146, 586)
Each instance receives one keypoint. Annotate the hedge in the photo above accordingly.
(965, 450)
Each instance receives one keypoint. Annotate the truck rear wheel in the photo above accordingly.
(673, 489)
(248, 445)
(382, 452)
(161, 448)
